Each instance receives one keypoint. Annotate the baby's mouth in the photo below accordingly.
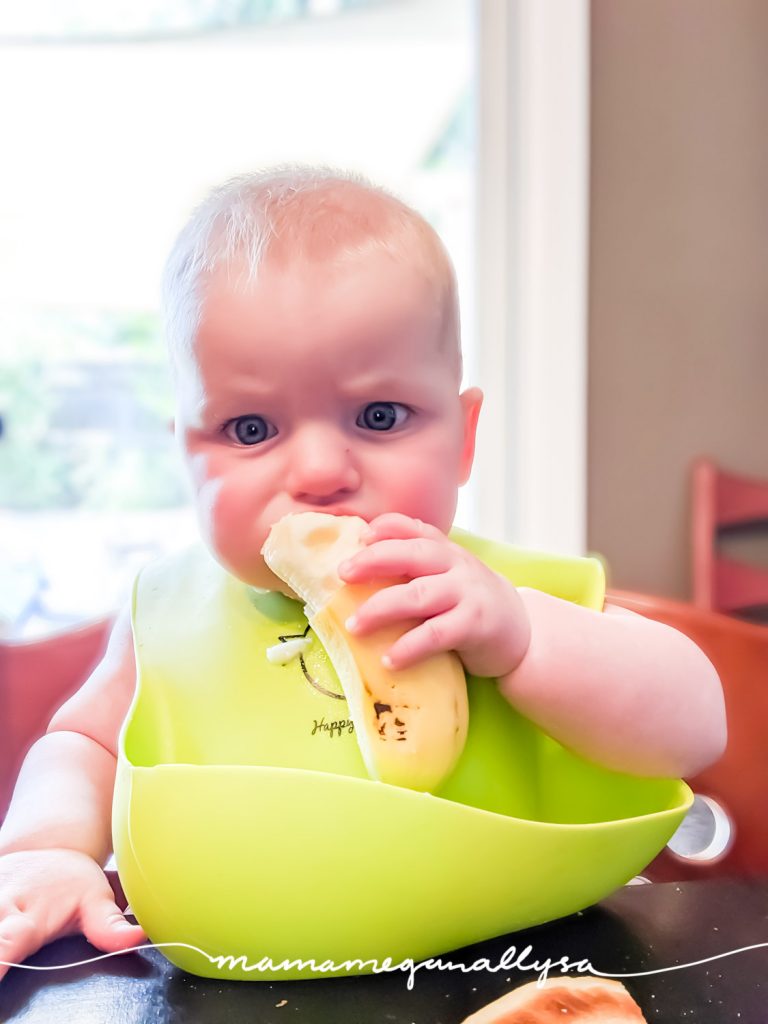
(334, 510)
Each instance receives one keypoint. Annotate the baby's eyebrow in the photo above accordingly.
(216, 414)
(238, 400)
(368, 381)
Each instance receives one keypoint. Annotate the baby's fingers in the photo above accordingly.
(390, 559)
(419, 599)
(396, 526)
(434, 636)
(105, 926)
(20, 937)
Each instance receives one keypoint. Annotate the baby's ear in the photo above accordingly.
(471, 401)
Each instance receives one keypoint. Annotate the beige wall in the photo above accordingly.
(678, 340)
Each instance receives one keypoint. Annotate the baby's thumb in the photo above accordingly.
(106, 927)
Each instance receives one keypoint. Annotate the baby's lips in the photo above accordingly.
(334, 510)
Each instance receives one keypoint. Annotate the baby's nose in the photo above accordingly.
(322, 466)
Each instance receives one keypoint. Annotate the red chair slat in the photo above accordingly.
(725, 501)
(36, 677)
(738, 781)
(741, 500)
(739, 586)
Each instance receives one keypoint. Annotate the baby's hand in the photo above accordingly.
(45, 894)
(460, 603)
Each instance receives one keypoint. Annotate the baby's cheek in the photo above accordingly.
(429, 496)
(216, 513)
(206, 497)
(235, 533)
(228, 513)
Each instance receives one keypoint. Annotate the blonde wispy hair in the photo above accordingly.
(296, 212)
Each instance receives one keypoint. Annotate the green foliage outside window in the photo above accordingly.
(86, 406)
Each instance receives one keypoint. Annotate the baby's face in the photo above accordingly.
(321, 389)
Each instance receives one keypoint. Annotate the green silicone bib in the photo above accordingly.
(242, 804)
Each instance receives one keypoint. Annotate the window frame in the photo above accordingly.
(532, 181)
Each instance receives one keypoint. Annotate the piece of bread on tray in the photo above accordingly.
(586, 1000)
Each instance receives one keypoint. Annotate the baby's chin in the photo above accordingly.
(254, 574)
(283, 587)
(263, 578)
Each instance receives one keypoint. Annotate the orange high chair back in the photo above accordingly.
(737, 784)
(726, 502)
(36, 677)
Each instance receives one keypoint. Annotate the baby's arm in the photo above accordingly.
(621, 689)
(57, 832)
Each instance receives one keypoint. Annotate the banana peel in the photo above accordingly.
(411, 724)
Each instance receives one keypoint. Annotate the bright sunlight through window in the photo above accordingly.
(118, 119)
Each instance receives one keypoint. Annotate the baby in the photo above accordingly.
(314, 337)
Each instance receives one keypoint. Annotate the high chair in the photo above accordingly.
(736, 787)
(724, 502)
(36, 677)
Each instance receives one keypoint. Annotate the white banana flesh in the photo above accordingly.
(411, 724)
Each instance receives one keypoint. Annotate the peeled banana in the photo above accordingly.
(411, 724)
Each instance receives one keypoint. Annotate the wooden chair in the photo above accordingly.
(738, 782)
(723, 503)
(36, 677)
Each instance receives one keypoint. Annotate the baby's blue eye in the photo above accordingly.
(382, 415)
(249, 430)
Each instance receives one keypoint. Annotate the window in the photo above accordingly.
(123, 116)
